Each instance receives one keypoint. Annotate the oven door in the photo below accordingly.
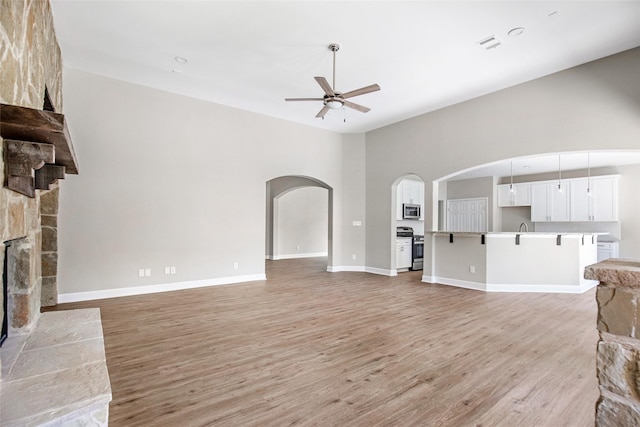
(418, 255)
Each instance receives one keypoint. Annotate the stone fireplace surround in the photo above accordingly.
(52, 365)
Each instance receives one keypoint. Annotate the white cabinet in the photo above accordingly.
(600, 205)
(520, 196)
(411, 192)
(608, 250)
(548, 203)
(404, 257)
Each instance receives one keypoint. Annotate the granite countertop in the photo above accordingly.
(512, 233)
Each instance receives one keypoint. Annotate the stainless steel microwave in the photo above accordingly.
(410, 211)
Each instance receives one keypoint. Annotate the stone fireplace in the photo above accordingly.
(52, 365)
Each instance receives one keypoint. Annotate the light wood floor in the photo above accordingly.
(309, 347)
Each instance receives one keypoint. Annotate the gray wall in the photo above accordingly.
(302, 222)
(275, 187)
(167, 180)
(170, 180)
(589, 107)
(476, 188)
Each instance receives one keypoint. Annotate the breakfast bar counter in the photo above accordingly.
(513, 262)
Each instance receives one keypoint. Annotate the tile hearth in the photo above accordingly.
(57, 374)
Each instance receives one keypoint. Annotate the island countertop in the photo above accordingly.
(513, 261)
(513, 233)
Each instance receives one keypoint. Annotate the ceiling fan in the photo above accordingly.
(333, 100)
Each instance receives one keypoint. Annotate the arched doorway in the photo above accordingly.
(406, 190)
(298, 218)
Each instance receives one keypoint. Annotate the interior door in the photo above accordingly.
(467, 215)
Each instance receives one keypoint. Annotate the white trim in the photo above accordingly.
(339, 268)
(152, 289)
(561, 289)
(381, 271)
(477, 286)
(540, 288)
(292, 256)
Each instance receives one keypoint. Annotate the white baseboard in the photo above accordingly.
(339, 268)
(292, 256)
(381, 271)
(559, 289)
(152, 289)
(477, 286)
(491, 287)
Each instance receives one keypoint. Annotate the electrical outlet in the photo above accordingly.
(173, 270)
(141, 272)
(298, 247)
(472, 269)
(235, 265)
(357, 223)
(147, 272)
(167, 270)
(354, 256)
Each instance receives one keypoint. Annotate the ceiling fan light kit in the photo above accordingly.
(334, 100)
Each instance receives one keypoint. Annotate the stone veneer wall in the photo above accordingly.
(30, 60)
(618, 359)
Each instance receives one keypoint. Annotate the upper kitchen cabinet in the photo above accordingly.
(548, 203)
(600, 204)
(411, 192)
(520, 196)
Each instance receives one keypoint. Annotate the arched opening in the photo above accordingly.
(407, 223)
(511, 211)
(298, 219)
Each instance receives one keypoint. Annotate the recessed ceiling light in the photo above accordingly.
(516, 32)
(181, 59)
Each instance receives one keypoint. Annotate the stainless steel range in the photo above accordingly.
(418, 252)
(417, 245)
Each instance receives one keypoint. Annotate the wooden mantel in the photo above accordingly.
(37, 148)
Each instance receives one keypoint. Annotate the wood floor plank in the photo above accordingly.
(307, 347)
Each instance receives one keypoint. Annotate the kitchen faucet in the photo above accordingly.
(525, 226)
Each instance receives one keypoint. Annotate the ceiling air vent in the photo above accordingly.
(490, 43)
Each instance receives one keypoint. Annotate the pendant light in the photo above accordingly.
(512, 190)
(588, 174)
(559, 176)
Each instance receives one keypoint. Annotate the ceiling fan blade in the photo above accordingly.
(304, 99)
(361, 91)
(358, 107)
(322, 112)
(324, 84)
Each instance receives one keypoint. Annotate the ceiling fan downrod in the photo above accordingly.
(334, 47)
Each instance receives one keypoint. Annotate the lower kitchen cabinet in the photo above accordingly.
(608, 250)
(404, 258)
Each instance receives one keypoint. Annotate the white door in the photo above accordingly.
(467, 215)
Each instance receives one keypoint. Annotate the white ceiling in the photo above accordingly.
(424, 54)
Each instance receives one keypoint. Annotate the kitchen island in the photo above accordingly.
(513, 262)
